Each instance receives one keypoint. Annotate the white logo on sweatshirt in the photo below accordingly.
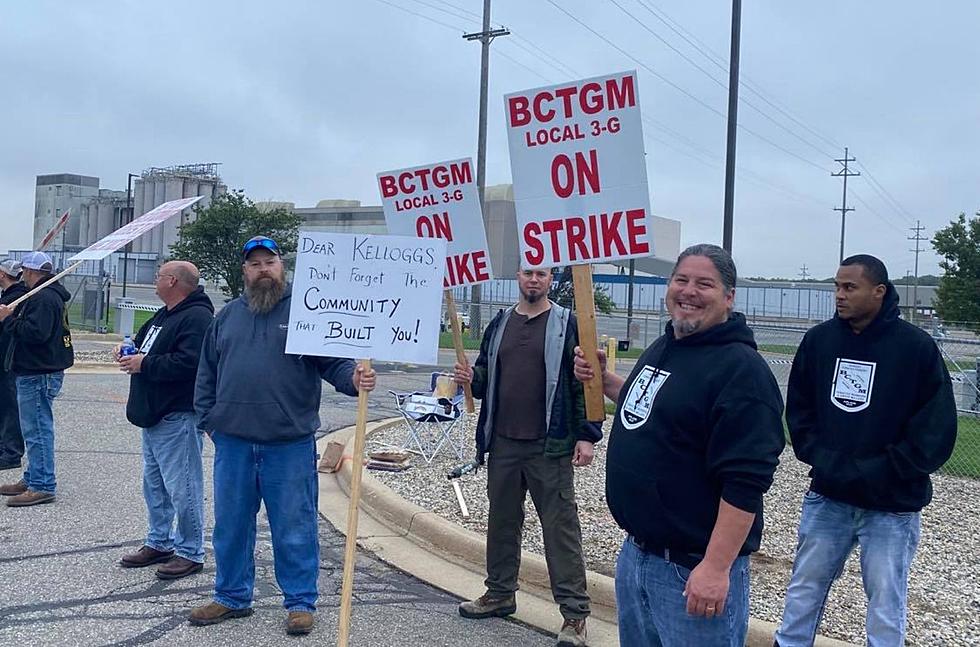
(639, 401)
(151, 336)
(853, 382)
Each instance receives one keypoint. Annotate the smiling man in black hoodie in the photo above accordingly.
(695, 441)
(40, 351)
(161, 401)
(870, 408)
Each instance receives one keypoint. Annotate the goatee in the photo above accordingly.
(264, 294)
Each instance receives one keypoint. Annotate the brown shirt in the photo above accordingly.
(521, 378)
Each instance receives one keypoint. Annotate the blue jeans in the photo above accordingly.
(35, 393)
(284, 477)
(173, 485)
(829, 530)
(653, 609)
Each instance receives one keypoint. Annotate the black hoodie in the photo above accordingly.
(39, 333)
(873, 414)
(11, 294)
(698, 420)
(171, 342)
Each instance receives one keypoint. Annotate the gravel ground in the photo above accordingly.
(944, 588)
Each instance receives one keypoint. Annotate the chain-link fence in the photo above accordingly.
(88, 308)
(778, 341)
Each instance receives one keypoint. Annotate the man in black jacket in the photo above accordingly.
(695, 441)
(161, 401)
(11, 441)
(533, 424)
(870, 408)
(40, 351)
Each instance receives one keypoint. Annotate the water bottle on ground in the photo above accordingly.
(128, 347)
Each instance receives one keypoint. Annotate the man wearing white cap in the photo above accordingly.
(11, 442)
(40, 351)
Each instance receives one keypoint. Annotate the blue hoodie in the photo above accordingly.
(248, 387)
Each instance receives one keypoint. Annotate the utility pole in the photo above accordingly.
(917, 230)
(732, 125)
(844, 173)
(485, 37)
(803, 272)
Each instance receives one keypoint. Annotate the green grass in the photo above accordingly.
(446, 341)
(778, 349)
(966, 455)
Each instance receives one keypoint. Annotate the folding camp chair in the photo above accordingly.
(431, 421)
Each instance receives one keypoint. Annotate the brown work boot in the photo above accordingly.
(212, 613)
(13, 489)
(144, 557)
(30, 497)
(299, 623)
(572, 633)
(489, 605)
(178, 567)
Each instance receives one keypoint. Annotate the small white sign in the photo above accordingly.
(128, 233)
(854, 381)
(440, 201)
(579, 171)
(367, 297)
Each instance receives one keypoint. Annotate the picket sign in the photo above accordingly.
(580, 188)
(117, 239)
(441, 200)
(361, 296)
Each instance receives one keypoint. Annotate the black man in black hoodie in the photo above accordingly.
(870, 408)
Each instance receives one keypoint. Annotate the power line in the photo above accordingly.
(454, 14)
(887, 197)
(722, 84)
(681, 89)
(421, 15)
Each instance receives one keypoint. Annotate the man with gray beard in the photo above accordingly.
(261, 408)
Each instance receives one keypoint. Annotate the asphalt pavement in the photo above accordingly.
(61, 584)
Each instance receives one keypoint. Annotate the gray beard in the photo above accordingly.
(263, 296)
(687, 327)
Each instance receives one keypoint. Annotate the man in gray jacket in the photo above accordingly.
(261, 408)
(526, 361)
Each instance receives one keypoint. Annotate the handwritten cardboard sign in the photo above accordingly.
(580, 180)
(440, 201)
(367, 297)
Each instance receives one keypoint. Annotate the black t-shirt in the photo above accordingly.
(521, 378)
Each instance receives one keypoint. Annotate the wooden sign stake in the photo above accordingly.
(585, 313)
(350, 548)
(458, 345)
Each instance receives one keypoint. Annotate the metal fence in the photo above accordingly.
(778, 341)
(88, 308)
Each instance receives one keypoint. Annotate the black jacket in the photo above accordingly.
(872, 414)
(11, 294)
(171, 342)
(39, 333)
(698, 420)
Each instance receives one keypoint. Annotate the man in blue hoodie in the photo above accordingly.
(261, 408)
(40, 351)
(695, 441)
(161, 401)
(870, 408)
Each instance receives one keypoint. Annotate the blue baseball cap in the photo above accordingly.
(38, 261)
(257, 242)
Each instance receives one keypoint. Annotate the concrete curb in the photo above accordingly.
(456, 558)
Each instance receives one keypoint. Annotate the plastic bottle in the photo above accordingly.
(128, 347)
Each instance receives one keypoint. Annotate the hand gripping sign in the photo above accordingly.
(441, 201)
(580, 186)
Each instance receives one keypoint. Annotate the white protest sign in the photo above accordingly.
(118, 239)
(579, 171)
(440, 201)
(367, 297)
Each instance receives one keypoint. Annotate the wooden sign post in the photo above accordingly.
(458, 345)
(595, 409)
(350, 546)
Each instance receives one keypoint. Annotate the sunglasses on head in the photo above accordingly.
(267, 243)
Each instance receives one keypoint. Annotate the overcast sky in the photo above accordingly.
(305, 100)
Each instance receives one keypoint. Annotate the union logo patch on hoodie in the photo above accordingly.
(853, 383)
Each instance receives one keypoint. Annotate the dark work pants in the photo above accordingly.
(516, 467)
(11, 440)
